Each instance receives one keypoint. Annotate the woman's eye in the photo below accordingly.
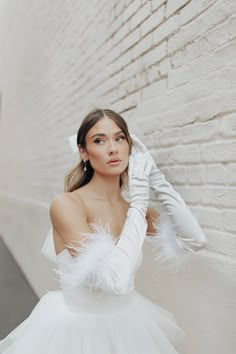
(122, 137)
(97, 141)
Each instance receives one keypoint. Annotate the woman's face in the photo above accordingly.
(106, 141)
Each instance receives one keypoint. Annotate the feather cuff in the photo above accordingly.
(167, 251)
(89, 266)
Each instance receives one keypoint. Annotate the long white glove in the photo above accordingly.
(189, 235)
(102, 263)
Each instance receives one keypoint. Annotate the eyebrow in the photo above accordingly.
(102, 134)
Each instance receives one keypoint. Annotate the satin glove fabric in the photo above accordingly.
(189, 234)
(138, 173)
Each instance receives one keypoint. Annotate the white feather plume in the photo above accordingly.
(88, 266)
(165, 247)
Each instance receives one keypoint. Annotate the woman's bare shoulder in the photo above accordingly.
(66, 200)
(68, 219)
(65, 208)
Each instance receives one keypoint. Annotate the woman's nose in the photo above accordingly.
(112, 147)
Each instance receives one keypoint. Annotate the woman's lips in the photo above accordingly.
(114, 163)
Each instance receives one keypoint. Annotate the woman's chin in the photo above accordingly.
(112, 170)
(116, 172)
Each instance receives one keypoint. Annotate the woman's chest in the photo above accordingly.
(113, 216)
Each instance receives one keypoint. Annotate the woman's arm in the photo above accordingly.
(177, 234)
(99, 261)
(189, 233)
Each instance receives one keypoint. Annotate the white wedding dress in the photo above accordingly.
(80, 319)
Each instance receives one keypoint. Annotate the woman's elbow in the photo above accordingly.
(200, 244)
(203, 243)
(192, 244)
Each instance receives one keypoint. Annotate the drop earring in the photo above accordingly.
(85, 167)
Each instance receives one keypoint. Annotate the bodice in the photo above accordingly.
(84, 298)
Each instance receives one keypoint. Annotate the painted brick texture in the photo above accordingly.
(168, 66)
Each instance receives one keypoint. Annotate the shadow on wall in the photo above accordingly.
(17, 298)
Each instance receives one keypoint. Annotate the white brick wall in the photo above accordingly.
(169, 68)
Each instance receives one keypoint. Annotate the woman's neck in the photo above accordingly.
(105, 188)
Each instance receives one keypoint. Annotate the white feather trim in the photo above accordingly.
(89, 266)
(165, 247)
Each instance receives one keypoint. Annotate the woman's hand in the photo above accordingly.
(138, 147)
(138, 171)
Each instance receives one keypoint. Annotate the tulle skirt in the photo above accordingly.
(127, 324)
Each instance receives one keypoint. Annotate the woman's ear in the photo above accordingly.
(83, 152)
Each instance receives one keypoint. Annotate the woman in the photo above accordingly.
(98, 239)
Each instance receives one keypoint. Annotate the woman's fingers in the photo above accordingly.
(138, 145)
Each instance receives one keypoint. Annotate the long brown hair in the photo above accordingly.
(77, 177)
